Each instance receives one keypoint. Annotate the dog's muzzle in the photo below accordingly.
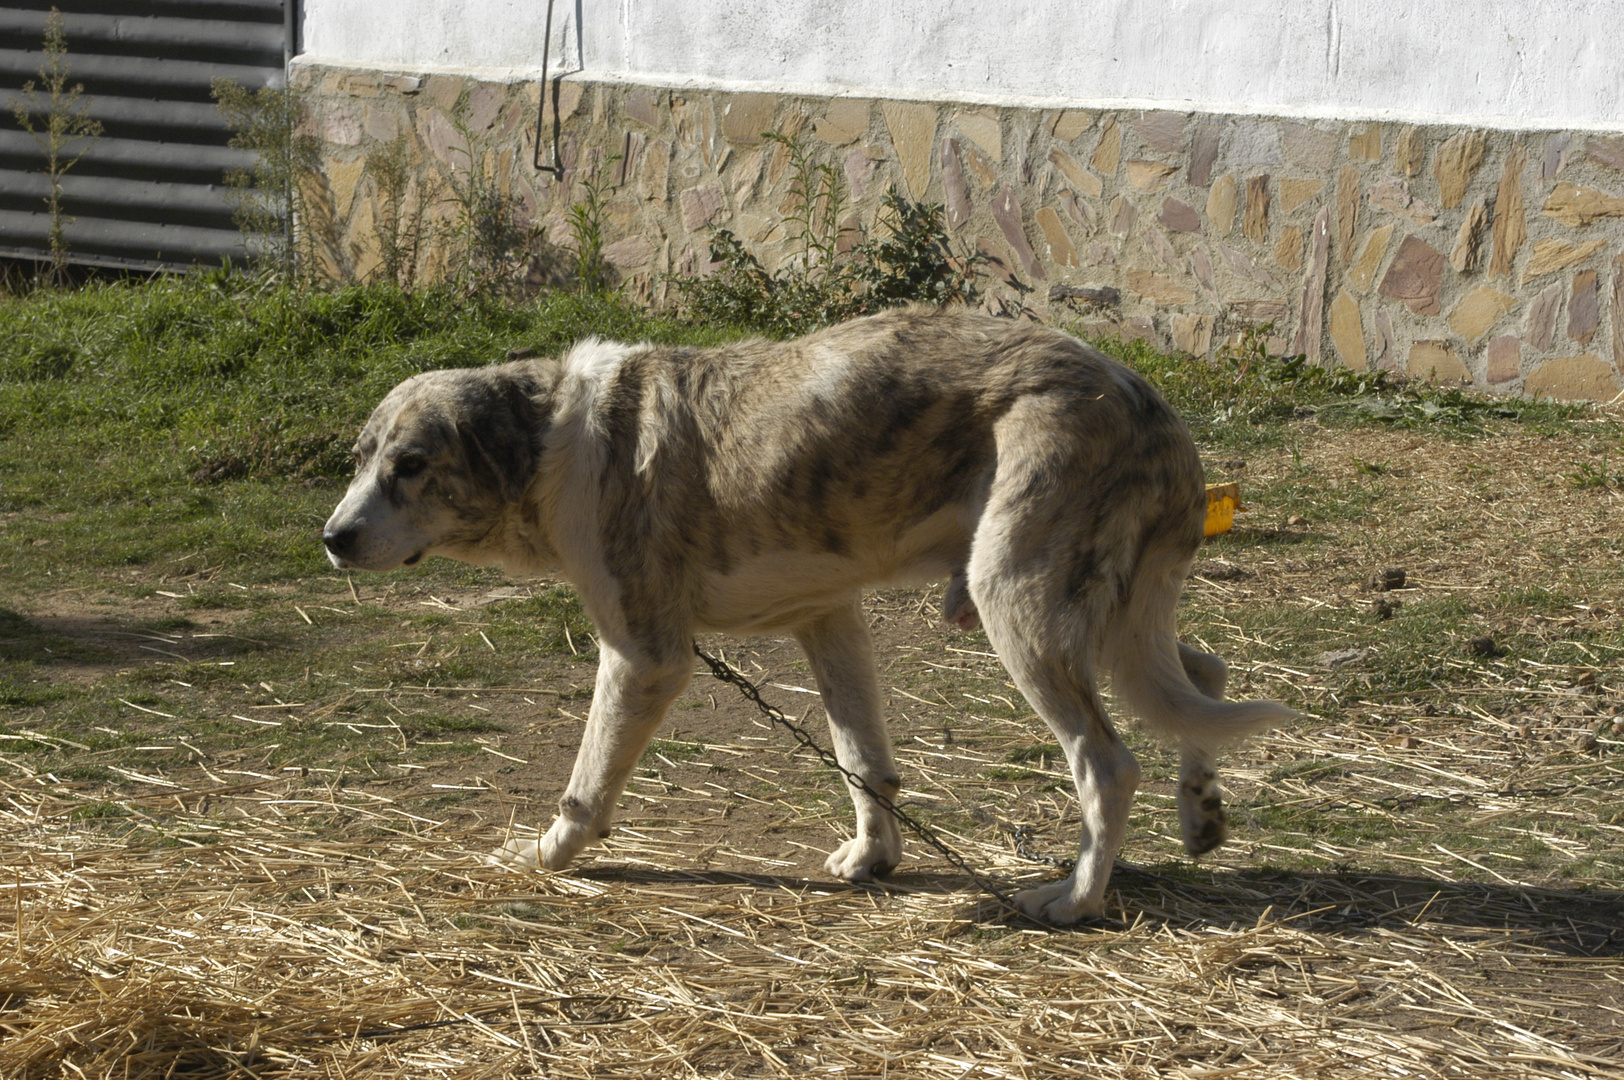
(340, 544)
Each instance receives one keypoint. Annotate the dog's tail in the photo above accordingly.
(1176, 690)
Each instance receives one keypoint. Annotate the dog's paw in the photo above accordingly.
(864, 858)
(564, 840)
(515, 855)
(1202, 817)
(1056, 904)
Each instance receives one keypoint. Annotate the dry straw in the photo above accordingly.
(253, 944)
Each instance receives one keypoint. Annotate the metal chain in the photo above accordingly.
(726, 673)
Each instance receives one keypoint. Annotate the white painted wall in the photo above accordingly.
(1510, 63)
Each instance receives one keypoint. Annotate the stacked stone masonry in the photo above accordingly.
(1486, 258)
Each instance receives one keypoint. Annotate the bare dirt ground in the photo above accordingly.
(246, 836)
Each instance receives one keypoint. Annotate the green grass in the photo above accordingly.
(168, 452)
(1242, 396)
(202, 418)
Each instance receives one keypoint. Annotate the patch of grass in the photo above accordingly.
(1242, 394)
(675, 749)
(435, 723)
(212, 414)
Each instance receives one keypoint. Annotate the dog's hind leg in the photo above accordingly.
(842, 656)
(957, 607)
(1044, 634)
(1202, 817)
(628, 703)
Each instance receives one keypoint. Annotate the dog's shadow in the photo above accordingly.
(1349, 902)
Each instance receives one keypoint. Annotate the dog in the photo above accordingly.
(763, 485)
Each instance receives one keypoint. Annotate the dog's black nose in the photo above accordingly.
(341, 542)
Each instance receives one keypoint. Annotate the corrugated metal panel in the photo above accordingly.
(149, 192)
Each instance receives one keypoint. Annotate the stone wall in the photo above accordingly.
(1483, 257)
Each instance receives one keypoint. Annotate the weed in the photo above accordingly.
(61, 127)
(1588, 475)
(911, 262)
(586, 217)
(280, 231)
(402, 221)
(496, 241)
(818, 195)
(1243, 392)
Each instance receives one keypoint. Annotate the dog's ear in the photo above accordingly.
(502, 430)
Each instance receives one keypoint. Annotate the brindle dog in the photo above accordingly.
(763, 485)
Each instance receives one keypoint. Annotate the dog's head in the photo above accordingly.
(441, 459)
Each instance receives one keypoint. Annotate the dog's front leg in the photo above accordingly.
(842, 656)
(628, 703)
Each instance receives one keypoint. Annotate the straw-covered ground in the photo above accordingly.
(1427, 875)
(245, 801)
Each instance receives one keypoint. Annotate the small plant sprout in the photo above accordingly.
(57, 116)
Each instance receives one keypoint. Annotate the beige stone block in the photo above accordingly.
(913, 132)
(360, 240)
(642, 105)
(1574, 205)
(1108, 154)
(746, 116)
(1256, 226)
(1259, 311)
(1311, 310)
(980, 164)
(1346, 334)
(1408, 151)
(1393, 193)
(1159, 288)
(1510, 219)
(1192, 334)
(1415, 276)
(1160, 248)
(1069, 124)
(631, 253)
(1366, 145)
(1288, 250)
(844, 121)
(1606, 150)
(1573, 378)
(1221, 204)
(1084, 181)
(1434, 362)
(563, 98)
(344, 180)
(1468, 249)
(1062, 251)
(1456, 161)
(1149, 175)
(1478, 311)
(1552, 255)
(1584, 307)
(656, 170)
(1081, 212)
(1347, 210)
(1618, 310)
(384, 122)
(1539, 325)
(1363, 273)
(1162, 132)
(983, 129)
(1309, 146)
(1502, 360)
(1294, 193)
(1123, 216)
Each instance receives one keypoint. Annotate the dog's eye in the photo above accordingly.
(409, 466)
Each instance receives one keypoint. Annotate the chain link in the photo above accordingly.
(726, 673)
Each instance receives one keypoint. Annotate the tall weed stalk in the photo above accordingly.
(57, 116)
